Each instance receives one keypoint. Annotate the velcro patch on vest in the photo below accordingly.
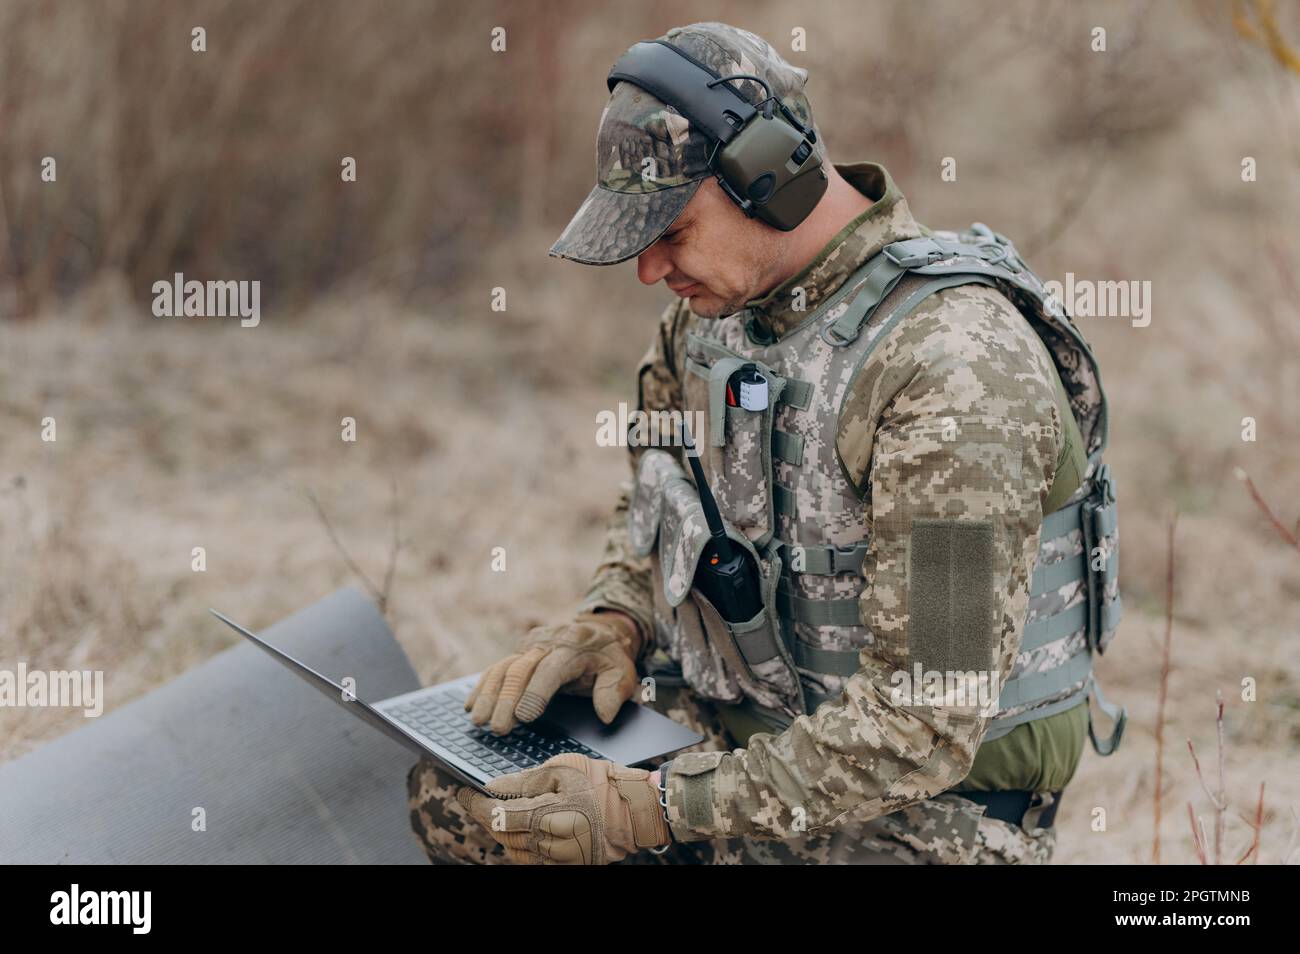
(950, 596)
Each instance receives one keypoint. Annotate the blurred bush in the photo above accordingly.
(226, 163)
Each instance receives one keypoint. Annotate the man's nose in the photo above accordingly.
(653, 265)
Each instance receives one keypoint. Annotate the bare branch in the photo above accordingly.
(1067, 210)
(1257, 826)
(1221, 802)
(1164, 686)
(1199, 777)
(1295, 831)
(1268, 34)
(1198, 835)
(1291, 537)
(379, 598)
(391, 570)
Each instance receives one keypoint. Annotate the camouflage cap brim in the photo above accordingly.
(611, 227)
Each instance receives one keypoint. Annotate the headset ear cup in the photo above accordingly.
(772, 172)
(761, 189)
(795, 200)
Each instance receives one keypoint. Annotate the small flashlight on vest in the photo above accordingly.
(750, 386)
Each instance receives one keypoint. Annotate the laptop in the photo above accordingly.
(432, 722)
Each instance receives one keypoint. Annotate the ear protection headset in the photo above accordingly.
(764, 162)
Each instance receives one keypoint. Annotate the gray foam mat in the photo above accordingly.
(283, 775)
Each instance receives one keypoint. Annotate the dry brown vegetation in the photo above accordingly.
(174, 434)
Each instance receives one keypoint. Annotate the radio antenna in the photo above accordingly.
(721, 542)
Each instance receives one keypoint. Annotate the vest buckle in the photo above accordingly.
(1105, 484)
(917, 252)
(835, 340)
(1041, 812)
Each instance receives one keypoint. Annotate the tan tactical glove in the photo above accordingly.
(571, 810)
(594, 655)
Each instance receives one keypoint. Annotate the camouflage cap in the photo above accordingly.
(650, 159)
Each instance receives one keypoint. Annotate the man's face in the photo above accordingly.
(713, 255)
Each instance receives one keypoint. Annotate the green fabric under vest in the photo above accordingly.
(741, 721)
(1072, 460)
(1038, 756)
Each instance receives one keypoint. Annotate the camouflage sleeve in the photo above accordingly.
(622, 580)
(950, 433)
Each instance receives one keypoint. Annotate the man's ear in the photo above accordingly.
(711, 200)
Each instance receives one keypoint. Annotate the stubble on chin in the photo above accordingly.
(713, 307)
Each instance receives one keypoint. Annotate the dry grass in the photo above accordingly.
(175, 434)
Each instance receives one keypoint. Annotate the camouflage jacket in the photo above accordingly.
(964, 357)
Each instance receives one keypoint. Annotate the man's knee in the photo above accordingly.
(1002, 843)
(445, 830)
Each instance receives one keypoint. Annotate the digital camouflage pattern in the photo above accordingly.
(860, 780)
(622, 578)
(650, 160)
(755, 486)
(946, 830)
(953, 418)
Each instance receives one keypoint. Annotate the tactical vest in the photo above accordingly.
(785, 497)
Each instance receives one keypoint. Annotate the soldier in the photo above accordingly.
(903, 432)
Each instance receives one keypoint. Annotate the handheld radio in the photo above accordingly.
(726, 573)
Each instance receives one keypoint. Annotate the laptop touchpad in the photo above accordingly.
(636, 734)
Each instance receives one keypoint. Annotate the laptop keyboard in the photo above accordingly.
(441, 718)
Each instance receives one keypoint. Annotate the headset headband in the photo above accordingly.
(680, 80)
(766, 167)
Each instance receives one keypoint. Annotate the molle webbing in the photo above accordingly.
(1029, 695)
(883, 273)
(1074, 604)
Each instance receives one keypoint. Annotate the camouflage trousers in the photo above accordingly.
(947, 829)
